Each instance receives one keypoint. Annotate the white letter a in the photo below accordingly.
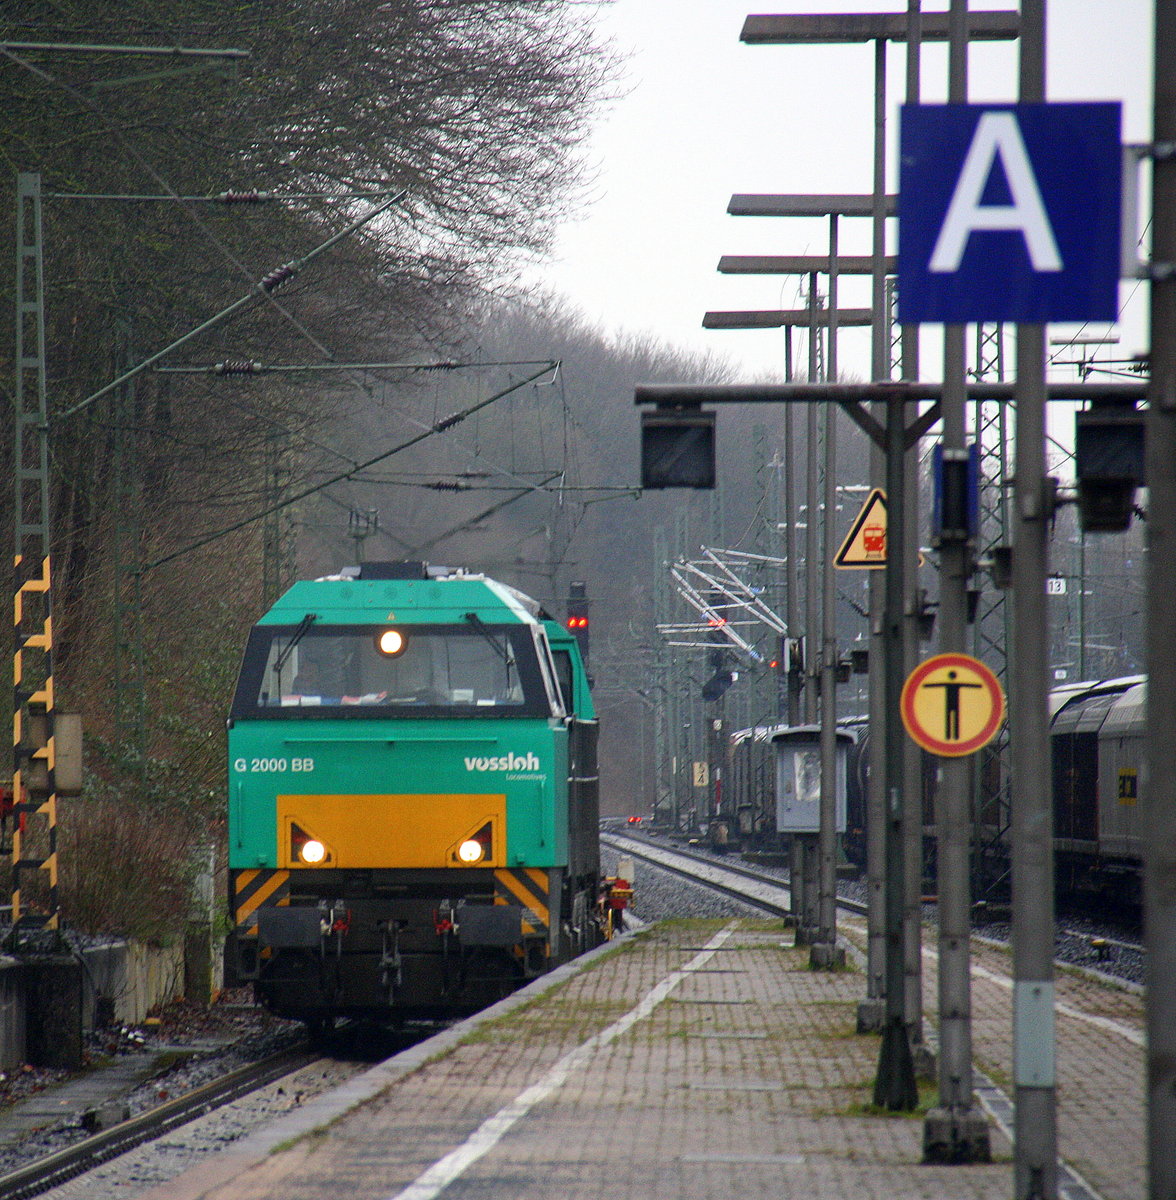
(996, 133)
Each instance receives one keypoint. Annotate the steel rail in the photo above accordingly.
(45, 1173)
(633, 846)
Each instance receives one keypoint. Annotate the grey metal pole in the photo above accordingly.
(1034, 1064)
(912, 762)
(831, 363)
(806, 930)
(954, 1131)
(894, 1085)
(792, 602)
(914, 46)
(823, 954)
(1082, 599)
(812, 594)
(1160, 797)
(871, 1010)
(792, 617)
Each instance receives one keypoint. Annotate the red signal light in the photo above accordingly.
(577, 622)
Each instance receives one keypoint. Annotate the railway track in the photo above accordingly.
(1094, 947)
(760, 889)
(45, 1173)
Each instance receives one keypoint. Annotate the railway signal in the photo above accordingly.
(678, 447)
(1108, 461)
(578, 614)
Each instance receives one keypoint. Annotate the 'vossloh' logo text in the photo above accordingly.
(504, 762)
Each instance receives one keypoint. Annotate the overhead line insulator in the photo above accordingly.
(251, 197)
(277, 277)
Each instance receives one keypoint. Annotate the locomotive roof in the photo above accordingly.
(443, 600)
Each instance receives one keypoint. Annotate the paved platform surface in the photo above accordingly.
(698, 1061)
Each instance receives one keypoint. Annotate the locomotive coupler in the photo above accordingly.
(390, 967)
(444, 919)
(445, 926)
(335, 924)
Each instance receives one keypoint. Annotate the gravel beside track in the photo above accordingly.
(162, 1160)
(660, 894)
(1079, 934)
(188, 1046)
(180, 1055)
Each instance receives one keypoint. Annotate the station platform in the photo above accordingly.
(688, 1061)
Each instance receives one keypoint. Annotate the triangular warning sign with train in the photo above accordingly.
(865, 544)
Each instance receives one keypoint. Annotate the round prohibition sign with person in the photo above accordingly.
(952, 705)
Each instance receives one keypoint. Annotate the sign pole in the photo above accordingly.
(1034, 1068)
(955, 1131)
(1159, 925)
(806, 929)
(894, 1085)
(824, 953)
(872, 1009)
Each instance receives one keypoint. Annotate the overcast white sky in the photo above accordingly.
(706, 116)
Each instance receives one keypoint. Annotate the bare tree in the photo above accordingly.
(474, 109)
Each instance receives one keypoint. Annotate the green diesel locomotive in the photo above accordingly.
(413, 797)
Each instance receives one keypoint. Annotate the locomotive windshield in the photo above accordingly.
(413, 670)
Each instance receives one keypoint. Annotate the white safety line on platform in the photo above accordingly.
(443, 1172)
(1134, 1036)
(704, 872)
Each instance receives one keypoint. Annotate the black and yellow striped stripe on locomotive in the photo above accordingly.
(416, 941)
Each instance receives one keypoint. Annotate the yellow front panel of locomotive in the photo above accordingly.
(365, 831)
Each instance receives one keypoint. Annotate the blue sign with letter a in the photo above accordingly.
(1009, 212)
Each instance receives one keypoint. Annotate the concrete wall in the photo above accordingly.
(133, 976)
(47, 1002)
(12, 1013)
(53, 1009)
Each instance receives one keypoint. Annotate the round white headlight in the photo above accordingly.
(471, 851)
(312, 852)
(390, 642)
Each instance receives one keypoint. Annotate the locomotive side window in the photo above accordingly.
(481, 670)
(558, 701)
(563, 672)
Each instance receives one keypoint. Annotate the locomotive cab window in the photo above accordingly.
(563, 673)
(415, 670)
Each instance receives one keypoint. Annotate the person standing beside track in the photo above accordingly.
(616, 893)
